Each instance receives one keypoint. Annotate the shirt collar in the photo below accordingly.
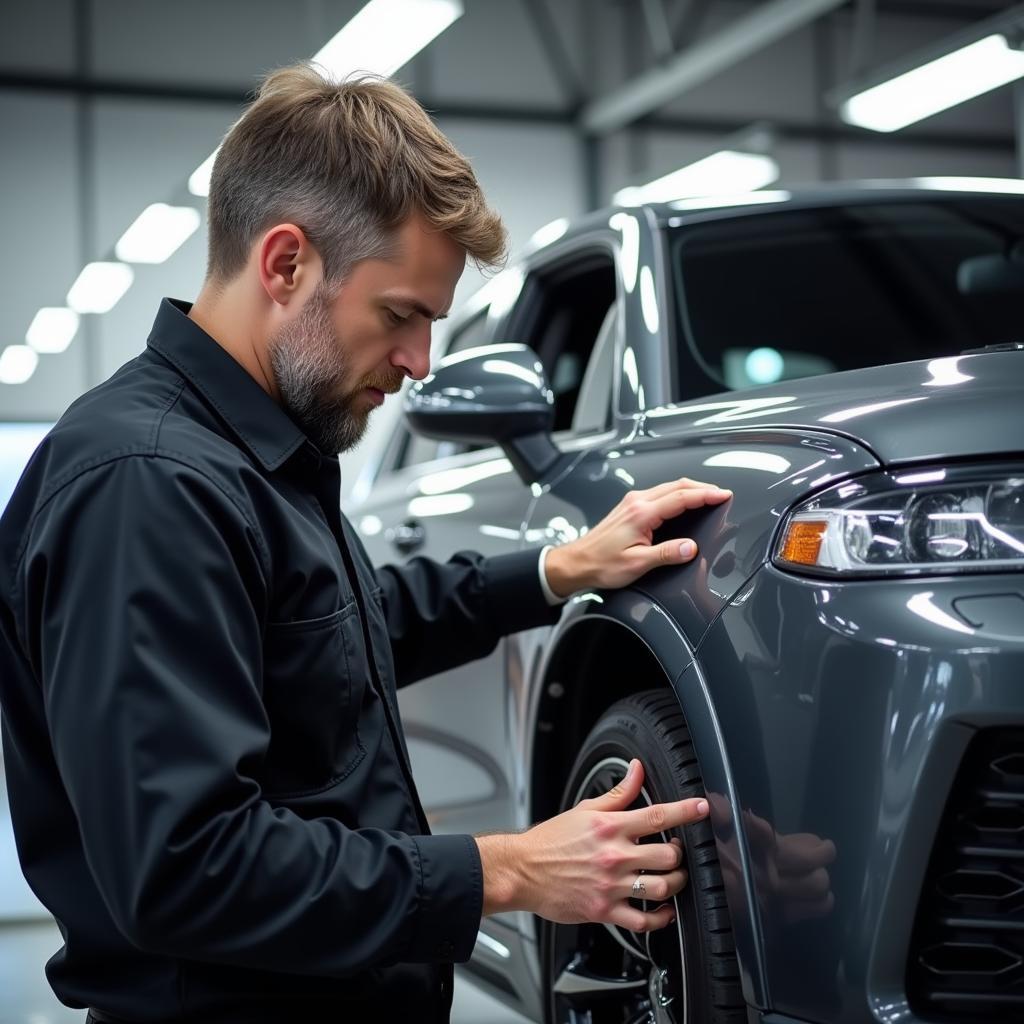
(253, 416)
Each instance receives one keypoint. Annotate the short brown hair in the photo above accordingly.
(347, 162)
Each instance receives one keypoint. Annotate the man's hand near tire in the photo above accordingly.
(582, 864)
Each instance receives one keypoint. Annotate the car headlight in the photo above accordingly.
(912, 522)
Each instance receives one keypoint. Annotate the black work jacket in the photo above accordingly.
(198, 668)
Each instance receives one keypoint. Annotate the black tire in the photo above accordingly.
(692, 963)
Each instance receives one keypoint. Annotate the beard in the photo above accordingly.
(312, 368)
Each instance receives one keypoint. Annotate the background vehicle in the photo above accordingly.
(839, 669)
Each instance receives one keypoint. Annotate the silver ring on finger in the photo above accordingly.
(639, 888)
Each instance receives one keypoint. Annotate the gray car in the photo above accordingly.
(841, 669)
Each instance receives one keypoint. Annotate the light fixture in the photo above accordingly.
(385, 35)
(17, 364)
(199, 179)
(380, 38)
(52, 329)
(99, 286)
(725, 172)
(982, 57)
(156, 233)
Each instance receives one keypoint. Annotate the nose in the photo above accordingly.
(412, 356)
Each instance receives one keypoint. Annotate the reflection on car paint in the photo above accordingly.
(740, 459)
(863, 410)
(461, 476)
(629, 251)
(440, 504)
(728, 409)
(944, 373)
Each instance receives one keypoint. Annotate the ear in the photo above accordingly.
(288, 264)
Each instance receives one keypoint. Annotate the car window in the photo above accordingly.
(560, 315)
(789, 294)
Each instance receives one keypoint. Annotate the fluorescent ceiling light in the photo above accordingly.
(99, 286)
(52, 329)
(386, 34)
(156, 233)
(17, 364)
(937, 85)
(199, 179)
(380, 38)
(722, 173)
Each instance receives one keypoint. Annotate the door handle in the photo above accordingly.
(407, 536)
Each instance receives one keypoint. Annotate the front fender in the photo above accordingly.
(651, 625)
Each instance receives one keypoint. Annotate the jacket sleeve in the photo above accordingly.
(441, 615)
(145, 593)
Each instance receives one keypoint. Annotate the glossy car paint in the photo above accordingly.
(838, 709)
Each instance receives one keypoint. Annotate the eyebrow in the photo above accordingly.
(418, 306)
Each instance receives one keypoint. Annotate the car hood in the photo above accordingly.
(943, 408)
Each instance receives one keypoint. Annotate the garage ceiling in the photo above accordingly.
(108, 105)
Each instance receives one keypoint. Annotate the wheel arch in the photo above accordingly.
(630, 644)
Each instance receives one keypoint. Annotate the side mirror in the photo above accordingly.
(498, 394)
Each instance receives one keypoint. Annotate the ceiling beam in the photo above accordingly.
(747, 34)
(802, 131)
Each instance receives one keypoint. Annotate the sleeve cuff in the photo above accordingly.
(451, 899)
(549, 595)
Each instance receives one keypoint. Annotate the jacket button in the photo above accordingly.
(446, 950)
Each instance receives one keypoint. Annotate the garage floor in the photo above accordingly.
(25, 998)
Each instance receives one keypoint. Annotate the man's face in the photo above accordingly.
(338, 358)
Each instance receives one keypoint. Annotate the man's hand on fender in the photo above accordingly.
(619, 548)
(581, 865)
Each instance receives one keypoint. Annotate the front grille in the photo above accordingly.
(967, 953)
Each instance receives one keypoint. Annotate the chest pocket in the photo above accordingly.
(314, 676)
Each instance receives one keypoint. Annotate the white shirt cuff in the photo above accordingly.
(549, 595)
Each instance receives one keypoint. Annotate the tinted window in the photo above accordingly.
(562, 313)
(775, 296)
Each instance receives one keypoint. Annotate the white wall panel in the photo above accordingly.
(39, 260)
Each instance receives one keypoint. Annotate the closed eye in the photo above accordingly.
(394, 317)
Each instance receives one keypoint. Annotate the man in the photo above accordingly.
(208, 779)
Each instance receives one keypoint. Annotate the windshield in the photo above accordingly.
(774, 296)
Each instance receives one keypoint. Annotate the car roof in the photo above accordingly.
(564, 232)
(701, 209)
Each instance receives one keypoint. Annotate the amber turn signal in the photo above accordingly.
(803, 541)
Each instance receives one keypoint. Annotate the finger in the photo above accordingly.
(634, 920)
(802, 851)
(682, 483)
(674, 503)
(646, 821)
(669, 552)
(759, 832)
(655, 857)
(623, 793)
(813, 886)
(656, 888)
(796, 912)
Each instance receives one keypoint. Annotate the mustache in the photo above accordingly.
(390, 383)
